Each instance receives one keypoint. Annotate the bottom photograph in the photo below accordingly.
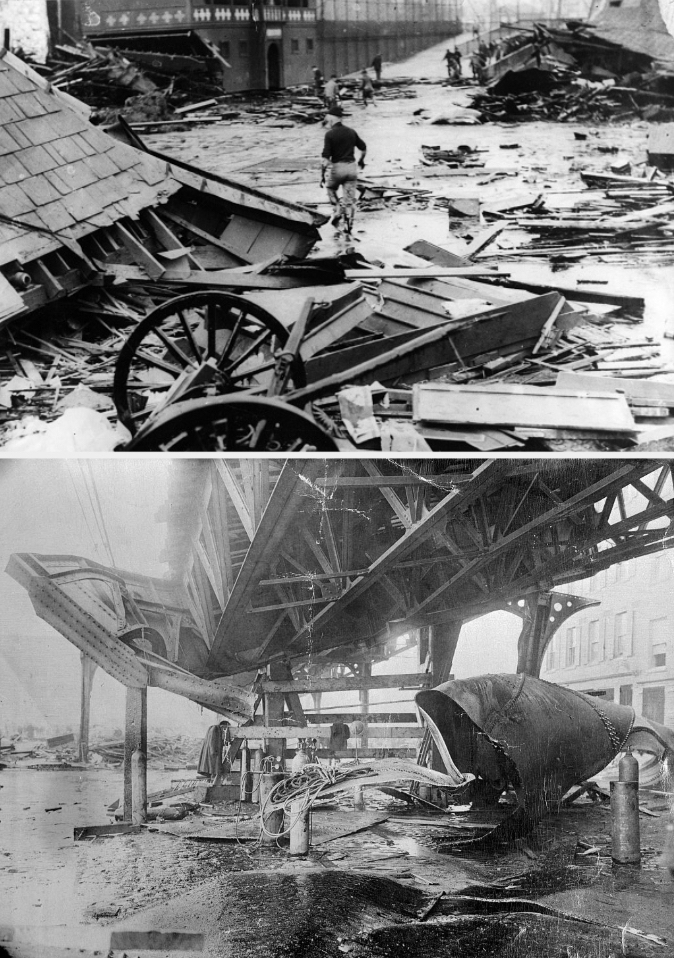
(311, 706)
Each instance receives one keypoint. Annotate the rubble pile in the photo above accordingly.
(170, 752)
(103, 77)
(572, 74)
(158, 302)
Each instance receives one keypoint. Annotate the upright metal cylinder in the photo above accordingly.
(358, 799)
(246, 790)
(300, 818)
(628, 768)
(626, 846)
(272, 818)
(138, 787)
(258, 756)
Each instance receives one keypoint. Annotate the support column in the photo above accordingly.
(364, 699)
(531, 642)
(443, 643)
(135, 738)
(542, 615)
(274, 703)
(88, 670)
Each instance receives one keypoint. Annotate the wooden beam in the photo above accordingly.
(372, 718)
(272, 732)
(406, 680)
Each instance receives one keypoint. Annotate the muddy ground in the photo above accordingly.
(362, 894)
(518, 157)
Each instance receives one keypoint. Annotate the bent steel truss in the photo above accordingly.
(330, 561)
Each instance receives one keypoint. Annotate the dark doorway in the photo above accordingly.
(273, 67)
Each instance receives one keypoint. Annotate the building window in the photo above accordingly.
(550, 656)
(294, 46)
(225, 49)
(659, 636)
(625, 694)
(621, 635)
(243, 48)
(654, 704)
(571, 643)
(593, 642)
(310, 45)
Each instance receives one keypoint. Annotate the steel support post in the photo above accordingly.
(274, 704)
(532, 637)
(443, 642)
(135, 739)
(88, 670)
(364, 699)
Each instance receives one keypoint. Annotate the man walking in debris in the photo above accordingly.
(367, 89)
(339, 162)
(318, 81)
(331, 92)
(376, 66)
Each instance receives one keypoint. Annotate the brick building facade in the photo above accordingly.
(622, 649)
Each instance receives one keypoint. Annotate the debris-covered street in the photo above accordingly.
(506, 285)
(394, 887)
(376, 786)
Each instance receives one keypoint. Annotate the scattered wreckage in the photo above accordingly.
(540, 739)
(602, 70)
(240, 339)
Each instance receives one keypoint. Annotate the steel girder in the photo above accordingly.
(325, 560)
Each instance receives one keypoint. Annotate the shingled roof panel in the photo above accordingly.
(60, 171)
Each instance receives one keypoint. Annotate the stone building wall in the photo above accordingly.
(28, 26)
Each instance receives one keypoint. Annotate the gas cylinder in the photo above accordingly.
(626, 846)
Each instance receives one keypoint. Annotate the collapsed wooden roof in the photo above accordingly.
(331, 561)
(72, 198)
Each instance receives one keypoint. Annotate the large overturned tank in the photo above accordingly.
(538, 739)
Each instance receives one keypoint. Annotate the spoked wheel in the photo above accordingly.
(237, 338)
(231, 424)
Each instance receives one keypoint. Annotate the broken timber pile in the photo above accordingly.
(584, 72)
(331, 352)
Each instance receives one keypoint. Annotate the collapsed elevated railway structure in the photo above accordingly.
(295, 576)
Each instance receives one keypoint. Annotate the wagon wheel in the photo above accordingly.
(238, 337)
(231, 424)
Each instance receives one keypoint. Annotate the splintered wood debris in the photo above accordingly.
(99, 236)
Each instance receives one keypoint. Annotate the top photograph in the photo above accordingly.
(336, 226)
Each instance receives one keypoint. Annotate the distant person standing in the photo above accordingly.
(449, 58)
(318, 81)
(376, 66)
(339, 163)
(367, 89)
(331, 92)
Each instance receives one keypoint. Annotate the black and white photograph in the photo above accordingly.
(407, 226)
(326, 706)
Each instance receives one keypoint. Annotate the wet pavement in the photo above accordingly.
(518, 157)
(365, 894)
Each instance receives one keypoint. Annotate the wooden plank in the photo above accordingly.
(280, 731)
(507, 405)
(409, 679)
(435, 254)
(141, 255)
(636, 390)
(209, 237)
(483, 240)
(500, 329)
(83, 832)
(316, 718)
(402, 272)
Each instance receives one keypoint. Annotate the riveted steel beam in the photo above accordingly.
(63, 613)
